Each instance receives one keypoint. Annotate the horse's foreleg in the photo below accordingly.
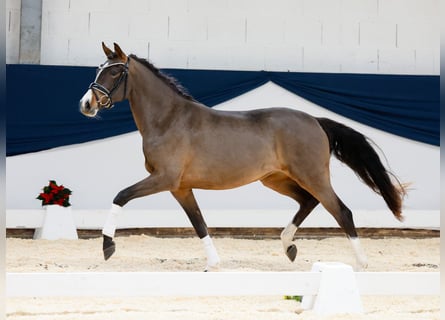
(150, 185)
(188, 202)
(108, 231)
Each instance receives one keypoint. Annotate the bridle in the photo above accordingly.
(106, 101)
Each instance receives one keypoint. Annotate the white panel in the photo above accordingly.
(349, 33)
(179, 7)
(362, 60)
(131, 284)
(209, 56)
(69, 24)
(283, 58)
(148, 27)
(86, 52)
(418, 35)
(246, 57)
(265, 29)
(359, 10)
(378, 34)
(56, 5)
(55, 50)
(322, 9)
(408, 10)
(344, 33)
(128, 6)
(426, 61)
(205, 7)
(322, 59)
(109, 24)
(182, 24)
(331, 33)
(277, 8)
(303, 31)
(398, 61)
(226, 29)
(95, 54)
(398, 283)
(187, 27)
(88, 5)
(168, 55)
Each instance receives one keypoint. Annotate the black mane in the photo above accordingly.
(168, 80)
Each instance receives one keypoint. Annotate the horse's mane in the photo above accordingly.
(168, 80)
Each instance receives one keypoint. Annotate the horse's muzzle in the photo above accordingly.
(86, 109)
(85, 106)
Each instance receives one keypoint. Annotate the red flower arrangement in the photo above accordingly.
(54, 194)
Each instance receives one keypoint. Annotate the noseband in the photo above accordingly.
(106, 101)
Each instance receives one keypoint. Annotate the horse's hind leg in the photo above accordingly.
(322, 190)
(343, 216)
(283, 184)
(188, 202)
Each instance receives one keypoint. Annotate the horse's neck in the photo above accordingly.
(154, 105)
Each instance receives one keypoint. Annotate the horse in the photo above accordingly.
(188, 145)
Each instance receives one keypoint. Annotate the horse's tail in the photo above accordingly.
(354, 149)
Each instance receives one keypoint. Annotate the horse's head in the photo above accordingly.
(110, 84)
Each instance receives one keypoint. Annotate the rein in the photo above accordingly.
(107, 103)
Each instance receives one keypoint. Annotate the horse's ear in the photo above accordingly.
(121, 55)
(108, 52)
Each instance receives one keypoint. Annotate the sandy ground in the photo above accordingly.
(143, 253)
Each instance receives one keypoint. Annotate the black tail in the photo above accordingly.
(354, 149)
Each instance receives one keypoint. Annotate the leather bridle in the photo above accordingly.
(106, 101)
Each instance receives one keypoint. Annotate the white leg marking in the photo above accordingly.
(111, 222)
(210, 250)
(362, 261)
(287, 235)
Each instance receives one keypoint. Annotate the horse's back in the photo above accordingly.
(289, 125)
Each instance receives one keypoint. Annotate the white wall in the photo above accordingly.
(360, 36)
(12, 28)
(96, 171)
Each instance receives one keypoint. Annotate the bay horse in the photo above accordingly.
(190, 146)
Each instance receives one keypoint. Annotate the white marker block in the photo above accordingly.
(338, 291)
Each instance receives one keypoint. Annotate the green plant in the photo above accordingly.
(55, 194)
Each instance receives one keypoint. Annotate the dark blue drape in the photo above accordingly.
(42, 102)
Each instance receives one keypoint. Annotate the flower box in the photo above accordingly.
(58, 223)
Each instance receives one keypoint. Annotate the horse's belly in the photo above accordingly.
(218, 178)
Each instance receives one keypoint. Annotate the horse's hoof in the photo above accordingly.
(291, 252)
(109, 247)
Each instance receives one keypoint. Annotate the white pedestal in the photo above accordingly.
(338, 292)
(58, 223)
